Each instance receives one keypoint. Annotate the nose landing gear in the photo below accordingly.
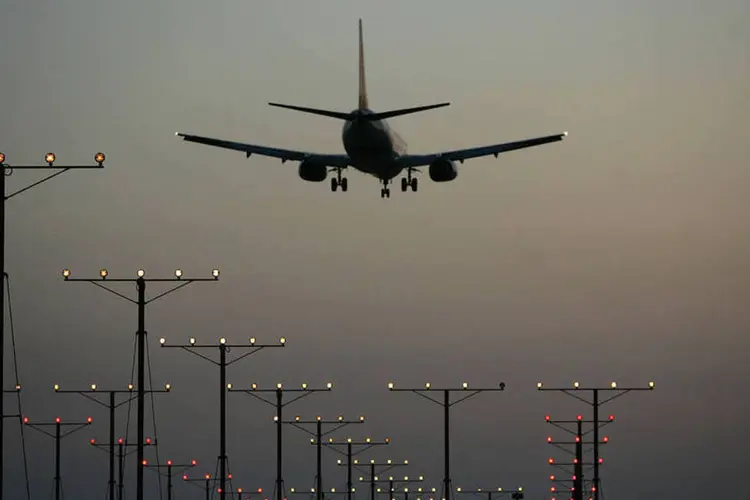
(385, 192)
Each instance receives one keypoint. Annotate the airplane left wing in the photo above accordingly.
(330, 160)
(466, 154)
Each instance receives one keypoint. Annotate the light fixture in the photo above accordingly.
(141, 273)
(103, 273)
(99, 158)
(178, 273)
(49, 158)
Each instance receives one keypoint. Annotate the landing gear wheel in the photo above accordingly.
(385, 193)
(335, 184)
(344, 184)
(404, 184)
(414, 185)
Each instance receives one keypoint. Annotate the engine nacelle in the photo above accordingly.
(312, 172)
(442, 170)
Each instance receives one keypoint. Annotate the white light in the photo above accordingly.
(93, 387)
(215, 273)
(576, 385)
(466, 385)
(229, 385)
(141, 273)
(254, 386)
(304, 385)
(130, 387)
(162, 341)
(66, 273)
(252, 340)
(390, 385)
(651, 385)
(103, 273)
(178, 273)
(278, 386)
(56, 387)
(192, 340)
(282, 340)
(614, 385)
(329, 385)
(222, 340)
(427, 385)
(539, 385)
(168, 387)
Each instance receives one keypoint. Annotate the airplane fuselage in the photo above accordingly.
(373, 146)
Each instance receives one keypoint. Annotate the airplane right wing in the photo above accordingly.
(330, 160)
(466, 154)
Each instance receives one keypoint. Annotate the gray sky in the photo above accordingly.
(620, 253)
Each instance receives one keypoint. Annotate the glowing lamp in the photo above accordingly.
(66, 273)
(103, 273)
(215, 273)
(99, 158)
(178, 273)
(2, 157)
(49, 158)
(141, 273)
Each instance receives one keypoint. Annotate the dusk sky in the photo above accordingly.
(620, 253)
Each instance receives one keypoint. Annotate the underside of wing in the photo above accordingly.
(331, 160)
(465, 154)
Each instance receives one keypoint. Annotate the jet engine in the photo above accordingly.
(313, 172)
(443, 170)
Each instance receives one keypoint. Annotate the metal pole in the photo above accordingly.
(319, 489)
(57, 462)
(279, 409)
(141, 334)
(447, 480)
(208, 489)
(578, 484)
(348, 471)
(2, 325)
(596, 444)
(372, 481)
(223, 417)
(169, 482)
(112, 445)
(120, 471)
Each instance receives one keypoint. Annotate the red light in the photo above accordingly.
(611, 417)
(601, 460)
(574, 477)
(552, 478)
(148, 440)
(578, 439)
(184, 477)
(57, 420)
(145, 462)
(93, 441)
(169, 462)
(89, 420)
(551, 460)
(549, 439)
(208, 476)
(25, 420)
(260, 490)
(580, 417)
(194, 462)
(547, 418)
(218, 490)
(575, 460)
(606, 439)
(552, 488)
(120, 441)
(229, 476)
(593, 488)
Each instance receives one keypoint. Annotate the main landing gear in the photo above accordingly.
(409, 181)
(339, 181)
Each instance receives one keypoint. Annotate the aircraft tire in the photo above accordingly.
(344, 184)
(334, 184)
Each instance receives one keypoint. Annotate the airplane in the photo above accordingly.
(372, 146)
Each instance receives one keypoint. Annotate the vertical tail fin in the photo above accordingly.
(362, 88)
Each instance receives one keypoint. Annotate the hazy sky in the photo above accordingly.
(620, 253)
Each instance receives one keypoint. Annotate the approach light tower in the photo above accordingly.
(613, 391)
(7, 169)
(492, 493)
(223, 349)
(374, 471)
(317, 440)
(574, 469)
(395, 483)
(140, 282)
(112, 405)
(446, 403)
(59, 425)
(279, 404)
(171, 469)
(350, 453)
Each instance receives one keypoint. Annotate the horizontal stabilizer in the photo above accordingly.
(322, 112)
(406, 111)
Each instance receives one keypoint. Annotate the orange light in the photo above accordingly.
(208, 476)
